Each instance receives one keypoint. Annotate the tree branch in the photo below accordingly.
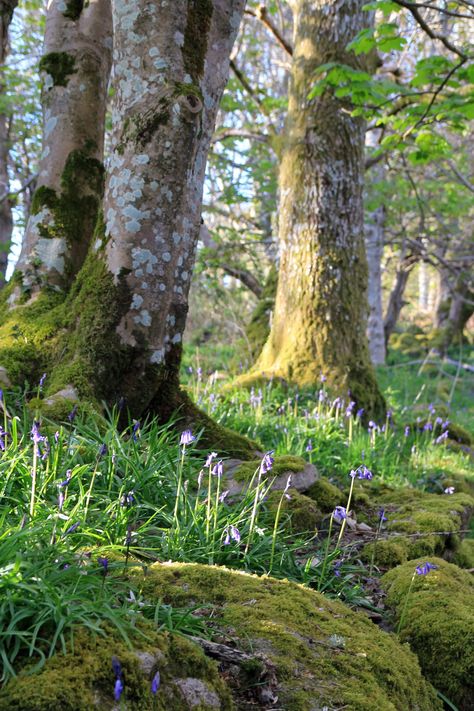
(413, 9)
(263, 16)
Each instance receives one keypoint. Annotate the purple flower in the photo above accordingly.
(155, 683)
(323, 378)
(104, 562)
(349, 408)
(60, 500)
(116, 666)
(407, 431)
(231, 532)
(309, 446)
(72, 528)
(339, 513)
(431, 408)
(1, 395)
(186, 438)
(135, 430)
(372, 425)
(359, 412)
(36, 436)
(443, 436)
(67, 479)
(449, 490)
(118, 688)
(381, 515)
(210, 459)
(56, 436)
(322, 396)
(267, 462)
(41, 381)
(428, 426)
(127, 499)
(2, 439)
(72, 415)
(218, 469)
(102, 450)
(336, 565)
(425, 568)
(361, 472)
(223, 496)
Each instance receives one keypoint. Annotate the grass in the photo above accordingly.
(81, 501)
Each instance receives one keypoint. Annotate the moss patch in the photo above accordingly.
(282, 465)
(326, 495)
(301, 512)
(324, 654)
(438, 624)
(59, 65)
(84, 679)
(464, 556)
(198, 25)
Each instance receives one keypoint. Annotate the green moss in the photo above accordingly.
(385, 554)
(84, 679)
(282, 465)
(196, 33)
(438, 624)
(464, 556)
(59, 65)
(301, 511)
(294, 627)
(326, 495)
(74, 9)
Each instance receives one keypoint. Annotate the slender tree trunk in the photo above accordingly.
(320, 313)
(423, 286)
(75, 70)
(7, 8)
(455, 308)
(396, 301)
(374, 243)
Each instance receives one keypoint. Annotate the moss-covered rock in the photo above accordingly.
(323, 654)
(438, 623)
(326, 495)
(431, 522)
(464, 556)
(301, 512)
(384, 553)
(239, 474)
(84, 679)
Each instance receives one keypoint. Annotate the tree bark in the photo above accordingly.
(75, 70)
(320, 313)
(395, 301)
(7, 8)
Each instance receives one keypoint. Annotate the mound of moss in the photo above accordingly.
(326, 495)
(299, 513)
(321, 653)
(420, 524)
(84, 679)
(438, 623)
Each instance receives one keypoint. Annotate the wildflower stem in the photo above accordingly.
(33, 479)
(180, 482)
(343, 524)
(254, 510)
(275, 531)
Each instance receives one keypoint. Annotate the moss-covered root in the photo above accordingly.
(172, 403)
(324, 653)
(438, 623)
(85, 680)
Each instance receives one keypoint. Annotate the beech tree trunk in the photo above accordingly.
(7, 8)
(320, 315)
(75, 70)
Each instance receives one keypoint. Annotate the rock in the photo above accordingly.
(438, 623)
(238, 474)
(68, 393)
(4, 379)
(322, 654)
(195, 692)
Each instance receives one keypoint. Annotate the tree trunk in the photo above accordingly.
(455, 308)
(7, 8)
(395, 301)
(320, 313)
(374, 243)
(75, 70)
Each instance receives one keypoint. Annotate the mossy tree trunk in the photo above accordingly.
(320, 316)
(128, 307)
(75, 70)
(454, 309)
(7, 8)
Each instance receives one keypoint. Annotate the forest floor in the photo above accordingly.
(112, 533)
